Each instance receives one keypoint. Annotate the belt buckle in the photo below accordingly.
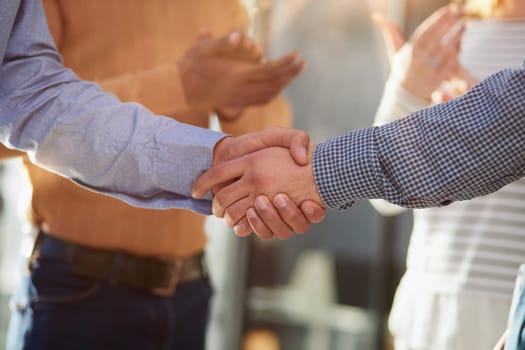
(172, 279)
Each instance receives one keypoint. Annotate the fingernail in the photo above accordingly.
(251, 214)
(308, 209)
(260, 203)
(303, 152)
(229, 222)
(215, 210)
(237, 229)
(234, 37)
(280, 201)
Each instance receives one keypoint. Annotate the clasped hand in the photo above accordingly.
(263, 182)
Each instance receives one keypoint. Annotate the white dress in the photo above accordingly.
(462, 259)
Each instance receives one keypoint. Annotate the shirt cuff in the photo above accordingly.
(184, 152)
(346, 168)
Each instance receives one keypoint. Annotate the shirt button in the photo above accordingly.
(447, 202)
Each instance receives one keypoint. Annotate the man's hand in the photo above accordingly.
(280, 218)
(297, 141)
(267, 172)
(227, 72)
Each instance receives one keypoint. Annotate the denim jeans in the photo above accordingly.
(516, 335)
(55, 309)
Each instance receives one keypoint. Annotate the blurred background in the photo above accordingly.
(332, 287)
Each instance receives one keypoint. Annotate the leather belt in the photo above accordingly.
(158, 276)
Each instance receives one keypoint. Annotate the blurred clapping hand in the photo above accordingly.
(427, 65)
(228, 74)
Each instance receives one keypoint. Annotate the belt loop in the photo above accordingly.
(172, 280)
(204, 265)
(35, 252)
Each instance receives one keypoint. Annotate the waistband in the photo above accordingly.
(158, 276)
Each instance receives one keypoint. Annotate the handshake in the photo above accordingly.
(263, 182)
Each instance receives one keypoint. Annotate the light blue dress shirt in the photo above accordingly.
(70, 127)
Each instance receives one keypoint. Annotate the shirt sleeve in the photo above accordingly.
(468, 147)
(68, 126)
(395, 104)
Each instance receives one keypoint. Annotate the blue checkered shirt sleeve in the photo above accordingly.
(468, 147)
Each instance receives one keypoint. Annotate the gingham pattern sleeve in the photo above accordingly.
(467, 147)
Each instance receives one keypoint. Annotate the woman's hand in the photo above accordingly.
(430, 57)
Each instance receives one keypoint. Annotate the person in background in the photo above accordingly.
(104, 274)
(463, 258)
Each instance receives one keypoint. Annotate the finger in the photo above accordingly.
(273, 221)
(295, 140)
(391, 33)
(426, 30)
(452, 31)
(229, 195)
(257, 225)
(249, 50)
(259, 73)
(428, 37)
(270, 69)
(290, 213)
(234, 40)
(276, 82)
(235, 212)
(242, 228)
(452, 35)
(218, 174)
(313, 211)
(262, 92)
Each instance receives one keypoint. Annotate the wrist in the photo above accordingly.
(315, 195)
(191, 90)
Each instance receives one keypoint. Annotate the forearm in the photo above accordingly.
(69, 126)
(395, 104)
(468, 147)
(6, 153)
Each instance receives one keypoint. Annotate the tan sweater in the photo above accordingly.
(129, 47)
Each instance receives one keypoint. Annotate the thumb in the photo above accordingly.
(297, 141)
(392, 36)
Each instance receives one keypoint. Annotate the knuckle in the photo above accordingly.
(219, 201)
(228, 218)
(234, 213)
